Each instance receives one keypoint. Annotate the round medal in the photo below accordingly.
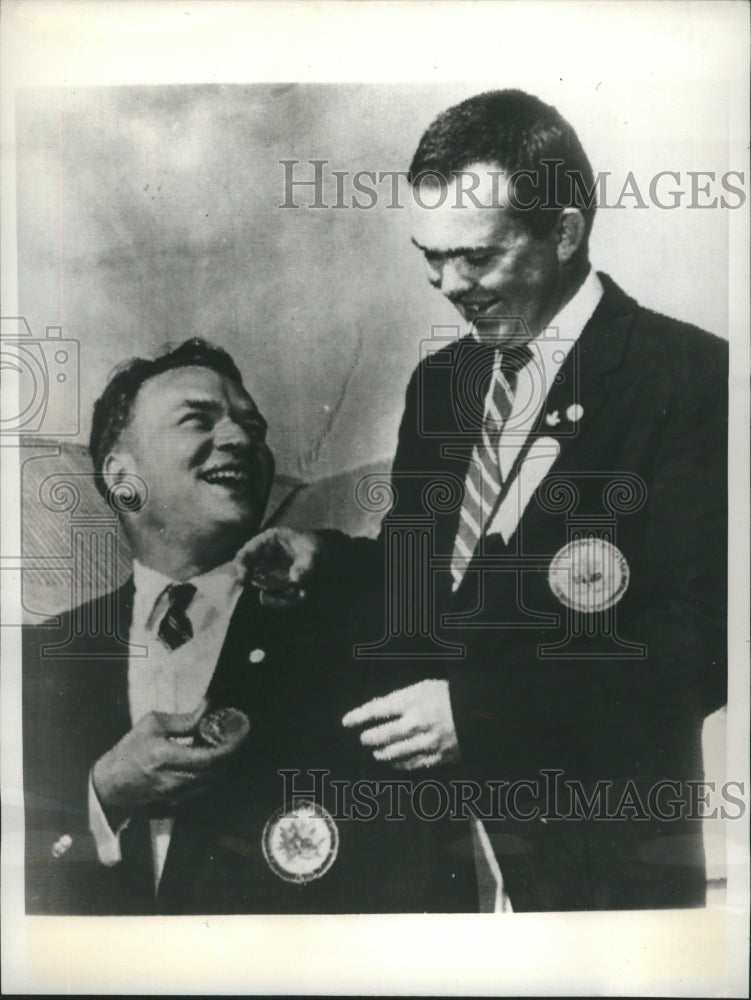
(218, 725)
(588, 574)
(300, 844)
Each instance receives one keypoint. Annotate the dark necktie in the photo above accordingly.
(484, 481)
(175, 628)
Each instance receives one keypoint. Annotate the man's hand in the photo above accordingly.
(279, 561)
(148, 769)
(415, 730)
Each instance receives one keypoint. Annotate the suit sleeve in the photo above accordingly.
(514, 710)
(362, 574)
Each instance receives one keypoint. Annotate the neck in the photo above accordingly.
(568, 285)
(181, 563)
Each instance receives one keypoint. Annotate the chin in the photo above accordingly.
(234, 511)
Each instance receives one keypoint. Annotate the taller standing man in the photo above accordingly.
(582, 560)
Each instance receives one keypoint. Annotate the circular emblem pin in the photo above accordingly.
(300, 844)
(588, 574)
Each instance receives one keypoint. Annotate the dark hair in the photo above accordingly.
(517, 132)
(113, 409)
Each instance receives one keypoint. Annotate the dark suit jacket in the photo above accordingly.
(76, 708)
(601, 697)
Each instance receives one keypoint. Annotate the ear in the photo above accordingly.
(116, 467)
(570, 234)
(124, 492)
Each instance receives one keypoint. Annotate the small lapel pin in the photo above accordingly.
(574, 412)
(552, 419)
(61, 846)
(257, 655)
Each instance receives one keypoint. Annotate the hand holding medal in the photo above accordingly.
(221, 726)
(167, 758)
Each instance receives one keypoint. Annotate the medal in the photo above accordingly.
(219, 725)
(300, 844)
(214, 728)
(588, 574)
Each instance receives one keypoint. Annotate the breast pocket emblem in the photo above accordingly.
(589, 575)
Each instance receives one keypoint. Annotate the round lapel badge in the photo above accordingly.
(589, 575)
(300, 844)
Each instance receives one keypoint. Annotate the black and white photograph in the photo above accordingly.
(375, 498)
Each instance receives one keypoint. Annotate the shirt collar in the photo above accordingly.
(575, 315)
(218, 587)
(548, 352)
(569, 322)
(554, 342)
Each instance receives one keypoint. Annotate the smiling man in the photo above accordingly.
(567, 457)
(497, 266)
(138, 799)
(113, 696)
(195, 437)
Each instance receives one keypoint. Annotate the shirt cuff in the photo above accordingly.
(107, 842)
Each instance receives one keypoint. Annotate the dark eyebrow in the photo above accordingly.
(204, 405)
(456, 251)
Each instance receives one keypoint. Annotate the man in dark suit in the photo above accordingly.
(567, 459)
(133, 806)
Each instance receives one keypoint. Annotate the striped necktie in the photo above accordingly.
(483, 484)
(175, 628)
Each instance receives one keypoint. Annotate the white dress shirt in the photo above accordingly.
(165, 680)
(549, 350)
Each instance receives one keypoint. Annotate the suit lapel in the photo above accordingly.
(579, 393)
(246, 628)
(235, 682)
(101, 663)
(572, 407)
(119, 677)
(109, 710)
(458, 397)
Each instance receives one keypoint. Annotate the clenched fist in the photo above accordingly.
(279, 562)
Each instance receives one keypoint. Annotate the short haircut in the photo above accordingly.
(114, 408)
(516, 131)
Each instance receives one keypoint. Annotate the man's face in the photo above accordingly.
(198, 441)
(485, 261)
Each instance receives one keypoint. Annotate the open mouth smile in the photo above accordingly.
(232, 476)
